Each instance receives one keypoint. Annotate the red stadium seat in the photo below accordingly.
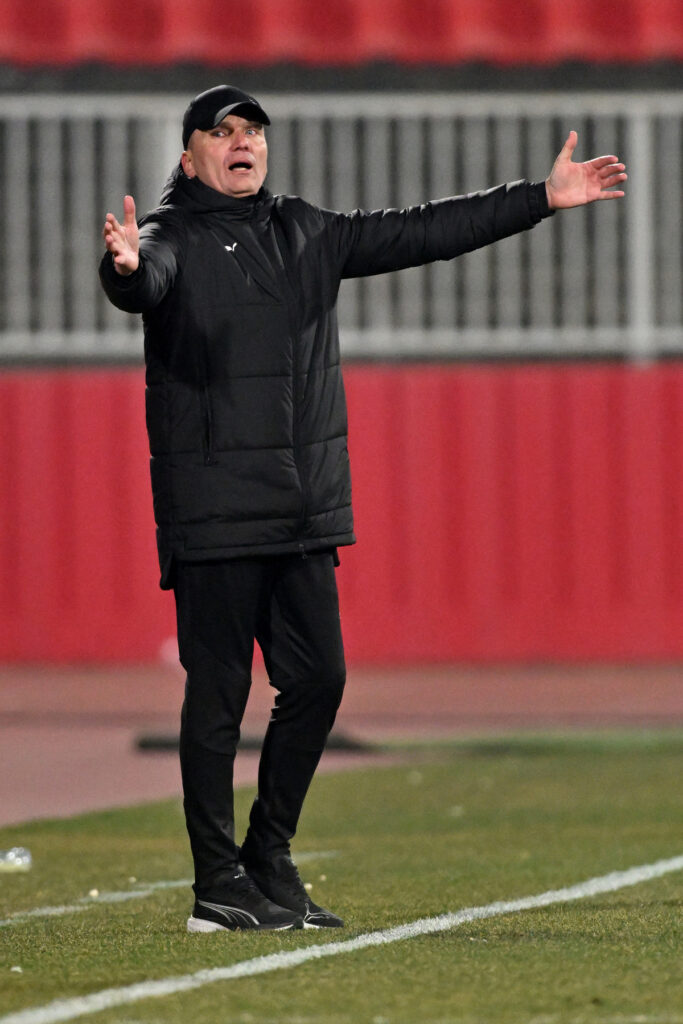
(661, 30)
(223, 32)
(311, 33)
(585, 30)
(213, 32)
(33, 33)
(495, 32)
(115, 33)
(405, 31)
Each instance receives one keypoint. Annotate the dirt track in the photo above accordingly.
(69, 735)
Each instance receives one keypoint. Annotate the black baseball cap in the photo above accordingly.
(210, 107)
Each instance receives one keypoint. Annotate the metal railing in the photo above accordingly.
(600, 281)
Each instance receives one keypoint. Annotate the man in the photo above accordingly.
(247, 425)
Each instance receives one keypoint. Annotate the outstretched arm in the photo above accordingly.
(140, 265)
(571, 184)
(123, 240)
(387, 240)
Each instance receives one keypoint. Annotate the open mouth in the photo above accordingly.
(240, 165)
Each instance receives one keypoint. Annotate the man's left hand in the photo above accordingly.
(570, 184)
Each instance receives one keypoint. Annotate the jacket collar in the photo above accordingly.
(196, 197)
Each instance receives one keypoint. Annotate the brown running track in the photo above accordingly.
(69, 734)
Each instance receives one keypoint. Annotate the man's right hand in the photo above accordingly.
(122, 240)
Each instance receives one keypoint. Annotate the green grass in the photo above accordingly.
(454, 826)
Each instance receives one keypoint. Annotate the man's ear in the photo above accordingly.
(186, 163)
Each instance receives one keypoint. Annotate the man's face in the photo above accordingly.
(231, 158)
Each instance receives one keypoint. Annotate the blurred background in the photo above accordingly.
(516, 417)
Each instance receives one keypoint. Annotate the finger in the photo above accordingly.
(128, 211)
(114, 245)
(599, 162)
(112, 241)
(613, 179)
(605, 172)
(114, 235)
(612, 195)
(570, 145)
(112, 223)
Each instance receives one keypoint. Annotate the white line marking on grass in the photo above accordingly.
(88, 902)
(121, 896)
(67, 1010)
(80, 1006)
(639, 1018)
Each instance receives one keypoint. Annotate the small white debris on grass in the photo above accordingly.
(16, 859)
(17, 970)
(456, 811)
(132, 880)
(323, 878)
(308, 886)
(94, 893)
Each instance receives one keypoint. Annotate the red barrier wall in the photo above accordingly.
(502, 513)
(345, 32)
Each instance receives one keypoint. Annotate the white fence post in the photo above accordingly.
(641, 342)
(587, 283)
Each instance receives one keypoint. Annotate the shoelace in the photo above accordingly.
(245, 886)
(289, 878)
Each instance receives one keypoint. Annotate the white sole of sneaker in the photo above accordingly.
(195, 924)
(198, 925)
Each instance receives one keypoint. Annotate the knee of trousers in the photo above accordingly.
(211, 716)
(322, 687)
(211, 737)
(334, 686)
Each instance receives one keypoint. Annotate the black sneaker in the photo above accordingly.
(279, 880)
(242, 905)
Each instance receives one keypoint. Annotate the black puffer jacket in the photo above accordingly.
(246, 412)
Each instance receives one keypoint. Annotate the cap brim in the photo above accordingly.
(243, 108)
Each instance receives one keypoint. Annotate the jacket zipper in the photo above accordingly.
(208, 425)
(292, 315)
(296, 426)
(205, 402)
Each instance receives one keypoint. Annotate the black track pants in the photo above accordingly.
(289, 605)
